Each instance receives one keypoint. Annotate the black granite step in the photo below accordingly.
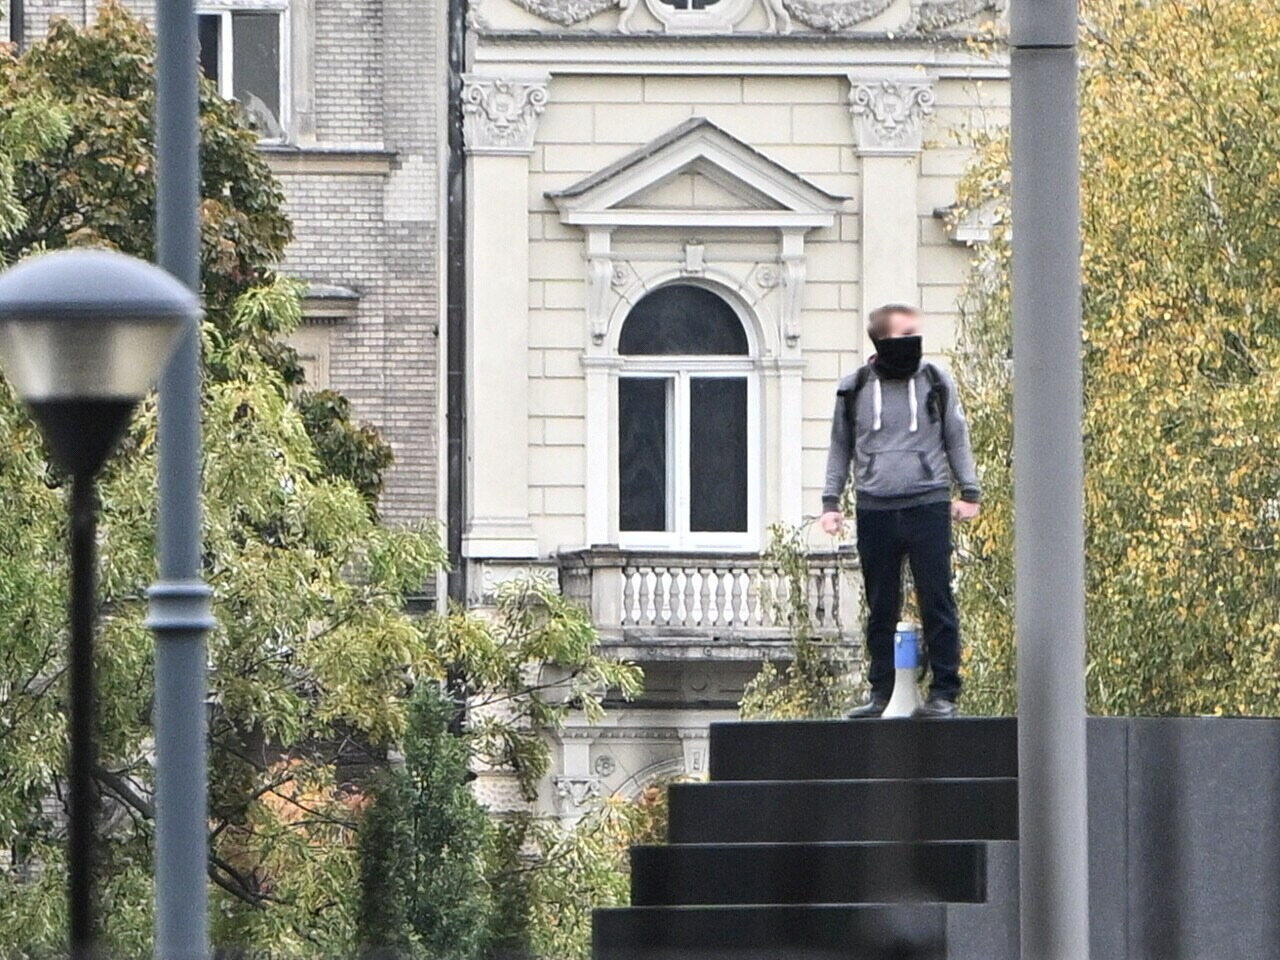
(861, 749)
(808, 873)
(815, 811)
(864, 932)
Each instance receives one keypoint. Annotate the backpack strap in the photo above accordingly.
(936, 401)
(850, 395)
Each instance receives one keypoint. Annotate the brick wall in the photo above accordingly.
(375, 231)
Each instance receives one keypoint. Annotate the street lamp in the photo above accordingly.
(83, 335)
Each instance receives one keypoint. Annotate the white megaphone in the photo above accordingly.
(906, 652)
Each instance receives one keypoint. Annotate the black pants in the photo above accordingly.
(922, 536)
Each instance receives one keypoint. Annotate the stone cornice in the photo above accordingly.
(763, 54)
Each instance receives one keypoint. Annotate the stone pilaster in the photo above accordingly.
(888, 119)
(500, 116)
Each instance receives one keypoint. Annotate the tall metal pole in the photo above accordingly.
(1048, 495)
(179, 611)
(82, 700)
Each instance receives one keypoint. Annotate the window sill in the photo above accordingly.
(348, 160)
(326, 303)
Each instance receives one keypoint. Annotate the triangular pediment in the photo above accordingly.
(696, 174)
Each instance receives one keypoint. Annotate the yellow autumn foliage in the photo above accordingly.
(1180, 160)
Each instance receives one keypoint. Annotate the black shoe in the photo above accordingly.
(869, 710)
(936, 708)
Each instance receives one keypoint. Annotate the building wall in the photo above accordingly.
(594, 97)
(802, 122)
(360, 176)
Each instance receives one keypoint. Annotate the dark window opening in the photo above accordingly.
(718, 454)
(642, 453)
(682, 320)
(254, 42)
(210, 33)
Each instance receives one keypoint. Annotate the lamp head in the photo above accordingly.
(83, 335)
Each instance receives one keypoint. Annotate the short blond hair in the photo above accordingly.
(878, 321)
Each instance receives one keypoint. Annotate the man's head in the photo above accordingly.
(893, 320)
(895, 331)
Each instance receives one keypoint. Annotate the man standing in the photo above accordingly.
(899, 421)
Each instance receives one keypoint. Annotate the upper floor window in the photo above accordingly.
(686, 400)
(242, 50)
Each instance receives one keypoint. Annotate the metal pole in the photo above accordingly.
(80, 690)
(17, 24)
(456, 307)
(179, 611)
(1048, 483)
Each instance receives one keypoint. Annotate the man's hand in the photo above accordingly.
(963, 510)
(832, 522)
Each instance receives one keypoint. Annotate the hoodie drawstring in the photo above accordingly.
(877, 404)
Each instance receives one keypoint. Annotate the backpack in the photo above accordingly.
(935, 401)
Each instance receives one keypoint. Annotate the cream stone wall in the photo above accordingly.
(877, 108)
(802, 122)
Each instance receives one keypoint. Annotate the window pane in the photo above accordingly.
(718, 454)
(255, 69)
(642, 453)
(682, 319)
(210, 32)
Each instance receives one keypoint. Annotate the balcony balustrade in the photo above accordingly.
(709, 604)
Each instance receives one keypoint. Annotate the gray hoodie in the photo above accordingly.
(904, 450)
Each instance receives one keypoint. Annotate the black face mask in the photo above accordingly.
(898, 357)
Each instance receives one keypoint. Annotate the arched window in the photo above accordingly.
(685, 394)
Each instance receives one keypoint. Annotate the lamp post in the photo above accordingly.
(83, 334)
(180, 614)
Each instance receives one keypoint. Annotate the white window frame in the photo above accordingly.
(722, 15)
(680, 370)
(226, 40)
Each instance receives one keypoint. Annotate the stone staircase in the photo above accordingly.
(833, 840)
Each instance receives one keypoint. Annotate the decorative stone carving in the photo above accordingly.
(576, 791)
(793, 275)
(605, 765)
(499, 114)
(930, 16)
(694, 744)
(622, 274)
(491, 576)
(767, 276)
(694, 262)
(779, 20)
(599, 285)
(832, 16)
(888, 115)
(566, 12)
(721, 16)
(628, 8)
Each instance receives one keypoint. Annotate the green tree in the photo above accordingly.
(314, 652)
(1180, 128)
(546, 879)
(817, 679)
(423, 890)
(77, 168)
(313, 649)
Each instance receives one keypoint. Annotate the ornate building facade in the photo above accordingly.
(677, 214)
